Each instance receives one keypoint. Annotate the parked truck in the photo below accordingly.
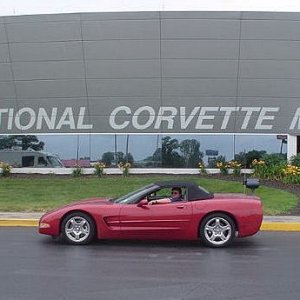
(30, 158)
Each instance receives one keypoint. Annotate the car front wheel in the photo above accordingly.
(217, 230)
(78, 228)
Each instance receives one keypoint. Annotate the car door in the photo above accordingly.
(161, 221)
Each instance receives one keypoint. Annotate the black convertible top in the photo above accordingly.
(195, 192)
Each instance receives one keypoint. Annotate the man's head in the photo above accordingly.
(176, 192)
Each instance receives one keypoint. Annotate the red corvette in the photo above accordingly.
(215, 219)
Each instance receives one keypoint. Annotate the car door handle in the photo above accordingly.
(180, 206)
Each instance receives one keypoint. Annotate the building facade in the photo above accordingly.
(151, 72)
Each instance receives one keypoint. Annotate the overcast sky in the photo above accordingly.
(25, 7)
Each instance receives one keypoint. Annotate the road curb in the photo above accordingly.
(266, 226)
(19, 222)
(280, 226)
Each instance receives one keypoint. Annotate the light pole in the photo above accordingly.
(127, 144)
(116, 150)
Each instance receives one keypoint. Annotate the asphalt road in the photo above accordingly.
(266, 266)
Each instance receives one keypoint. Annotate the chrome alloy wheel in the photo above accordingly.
(77, 229)
(218, 231)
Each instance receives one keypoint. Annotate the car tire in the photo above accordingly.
(217, 230)
(78, 228)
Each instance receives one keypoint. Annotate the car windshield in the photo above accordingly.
(204, 190)
(135, 196)
(54, 161)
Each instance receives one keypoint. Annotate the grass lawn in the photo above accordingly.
(44, 193)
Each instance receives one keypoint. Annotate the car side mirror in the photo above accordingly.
(142, 203)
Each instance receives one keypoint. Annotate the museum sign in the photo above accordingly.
(163, 119)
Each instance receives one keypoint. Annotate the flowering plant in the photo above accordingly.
(223, 167)
(236, 166)
(202, 169)
(124, 167)
(257, 162)
(268, 169)
(291, 174)
(259, 167)
(99, 168)
(6, 168)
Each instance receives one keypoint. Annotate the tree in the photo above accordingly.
(119, 157)
(124, 158)
(107, 158)
(191, 153)
(129, 158)
(246, 158)
(170, 157)
(23, 142)
(6, 143)
(157, 156)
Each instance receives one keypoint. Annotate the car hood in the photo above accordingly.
(218, 196)
(100, 201)
(93, 201)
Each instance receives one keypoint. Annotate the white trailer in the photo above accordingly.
(30, 158)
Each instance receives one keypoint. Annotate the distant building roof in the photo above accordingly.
(71, 163)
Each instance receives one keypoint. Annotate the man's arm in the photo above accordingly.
(160, 201)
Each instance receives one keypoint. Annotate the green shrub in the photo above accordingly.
(295, 160)
(124, 167)
(220, 163)
(99, 168)
(223, 167)
(270, 167)
(274, 159)
(235, 166)
(6, 169)
(77, 171)
(202, 169)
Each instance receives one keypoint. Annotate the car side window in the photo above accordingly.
(166, 193)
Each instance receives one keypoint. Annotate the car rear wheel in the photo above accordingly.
(217, 230)
(78, 228)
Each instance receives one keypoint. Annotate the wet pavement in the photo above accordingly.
(265, 266)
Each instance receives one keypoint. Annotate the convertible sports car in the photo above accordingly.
(215, 219)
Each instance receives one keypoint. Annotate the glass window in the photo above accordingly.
(54, 161)
(27, 161)
(135, 196)
(42, 161)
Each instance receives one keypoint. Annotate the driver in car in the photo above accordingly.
(176, 195)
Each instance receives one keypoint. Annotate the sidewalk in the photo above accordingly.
(270, 223)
